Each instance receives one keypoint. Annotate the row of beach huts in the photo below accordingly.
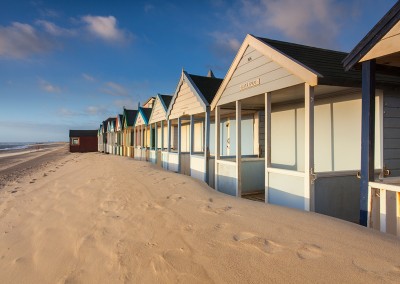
(291, 125)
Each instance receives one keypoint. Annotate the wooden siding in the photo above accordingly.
(387, 45)
(158, 113)
(140, 120)
(252, 66)
(391, 132)
(186, 103)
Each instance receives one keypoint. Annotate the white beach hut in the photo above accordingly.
(308, 128)
(189, 112)
(142, 134)
(158, 128)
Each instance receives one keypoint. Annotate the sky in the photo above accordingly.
(70, 64)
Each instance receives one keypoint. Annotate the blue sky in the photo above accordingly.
(71, 64)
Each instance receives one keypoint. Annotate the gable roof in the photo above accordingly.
(325, 62)
(166, 100)
(387, 22)
(315, 66)
(83, 133)
(161, 103)
(145, 112)
(205, 88)
(129, 117)
(208, 86)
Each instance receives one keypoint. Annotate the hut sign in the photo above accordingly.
(250, 84)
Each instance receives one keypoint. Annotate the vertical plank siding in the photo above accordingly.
(391, 131)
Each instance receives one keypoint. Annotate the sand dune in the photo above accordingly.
(94, 218)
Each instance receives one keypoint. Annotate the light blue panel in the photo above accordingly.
(226, 178)
(173, 162)
(253, 175)
(152, 156)
(197, 167)
(286, 190)
(164, 159)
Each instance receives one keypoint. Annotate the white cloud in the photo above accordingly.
(312, 22)
(87, 77)
(114, 89)
(22, 40)
(55, 30)
(46, 86)
(106, 28)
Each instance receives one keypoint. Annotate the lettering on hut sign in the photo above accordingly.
(250, 84)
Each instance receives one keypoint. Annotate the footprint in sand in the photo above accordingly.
(175, 197)
(217, 211)
(309, 251)
(45, 175)
(14, 191)
(264, 245)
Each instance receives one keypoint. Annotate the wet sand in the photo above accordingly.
(16, 164)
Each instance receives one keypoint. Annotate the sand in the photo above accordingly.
(95, 218)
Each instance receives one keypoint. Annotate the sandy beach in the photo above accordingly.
(95, 218)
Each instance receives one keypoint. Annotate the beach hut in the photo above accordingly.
(143, 140)
(111, 139)
(128, 120)
(106, 134)
(83, 141)
(119, 134)
(189, 113)
(379, 52)
(158, 124)
(306, 127)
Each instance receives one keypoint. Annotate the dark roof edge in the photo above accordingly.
(373, 36)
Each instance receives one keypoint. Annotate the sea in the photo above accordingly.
(7, 146)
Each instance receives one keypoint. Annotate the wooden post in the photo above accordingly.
(151, 137)
(162, 135)
(155, 136)
(238, 149)
(191, 144)
(207, 145)
(217, 144)
(367, 136)
(169, 141)
(169, 135)
(267, 142)
(309, 148)
(155, 141)
(179, 143)
(382, 210)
